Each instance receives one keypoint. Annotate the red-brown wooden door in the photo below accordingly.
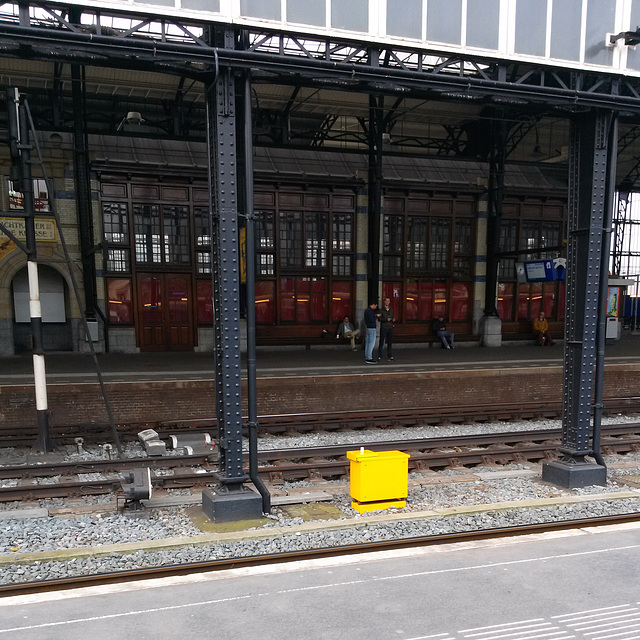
(165, 321)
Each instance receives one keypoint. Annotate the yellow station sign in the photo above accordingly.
(45, 232)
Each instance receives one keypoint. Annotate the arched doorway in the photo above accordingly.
(56, 328)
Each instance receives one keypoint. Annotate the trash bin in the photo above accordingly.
(379, 479)
(92, 324)
(613, 329)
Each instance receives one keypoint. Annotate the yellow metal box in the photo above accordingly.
(378, 475)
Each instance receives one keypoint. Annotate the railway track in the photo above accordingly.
(35, 482)
(299, 423)
(168, 571)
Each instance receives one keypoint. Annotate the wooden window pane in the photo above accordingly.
(119, 305)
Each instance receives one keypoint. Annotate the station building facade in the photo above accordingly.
(152, 227)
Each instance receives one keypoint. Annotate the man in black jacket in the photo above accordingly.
(386, 318)
(440, 329)
(370, 314)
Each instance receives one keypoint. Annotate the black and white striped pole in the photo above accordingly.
(20, 152)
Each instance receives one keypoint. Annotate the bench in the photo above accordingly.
(427, 339)
(299, 336)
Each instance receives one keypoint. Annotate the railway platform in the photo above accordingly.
(68, 367)
(157, 387)
(504, 588)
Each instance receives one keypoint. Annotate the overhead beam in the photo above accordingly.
(462, 77)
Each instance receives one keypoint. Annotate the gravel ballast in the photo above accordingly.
(54, 539)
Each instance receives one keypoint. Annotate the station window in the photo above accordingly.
(303, 240)
(40, 195)
(146, 225)
(435, 247)
(508, 242)
(303, 299)
(417, 244)
(459, 301)
(115, 222)
(176, 234)
(535, 297)
(161, 234)
(533, 237)
(341, 300)
(315, 240)
(202, 226)
(119, 302)
(118, 260)
(291, 240)
(439, 246)
(505, 301)
(342, 265)
(462, 249)
(537, 236)
(265, 243)
(392, 266)
(392, 243)
(304, 255)
(393, 234)
(342, 244)
(439, 299)
(562, 297)
(393, 291)
(265, 302)
(413, 299)
(204, 299)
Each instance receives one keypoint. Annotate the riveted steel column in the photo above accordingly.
(231, 500)
(497, 159)
(222, 149)
(83, 191)
(589, 169)
(376, 129)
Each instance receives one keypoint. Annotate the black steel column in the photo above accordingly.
(252, 387)
(83, 191)
(589, 171)
(496, 195)
(376, 126)
(231, 500)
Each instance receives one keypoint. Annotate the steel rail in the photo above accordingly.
(101, 466)
(166, 571)
(331, 461)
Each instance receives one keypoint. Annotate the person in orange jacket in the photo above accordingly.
(541, 331)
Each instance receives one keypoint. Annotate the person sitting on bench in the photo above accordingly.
(440, 329)
(541, 331)
(347, 330)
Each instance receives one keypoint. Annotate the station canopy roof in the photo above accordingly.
(296, 116)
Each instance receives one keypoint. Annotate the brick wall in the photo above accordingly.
(150, 401)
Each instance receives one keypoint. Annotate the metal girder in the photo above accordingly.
(53, 110)
(497, 158)
(592, 154)
(628, 138)
(374, 187)
(620, 225)
(173, 46)
(322, 134)
(622, 218)
(222, 150)
(83, 191)
(588, 176)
